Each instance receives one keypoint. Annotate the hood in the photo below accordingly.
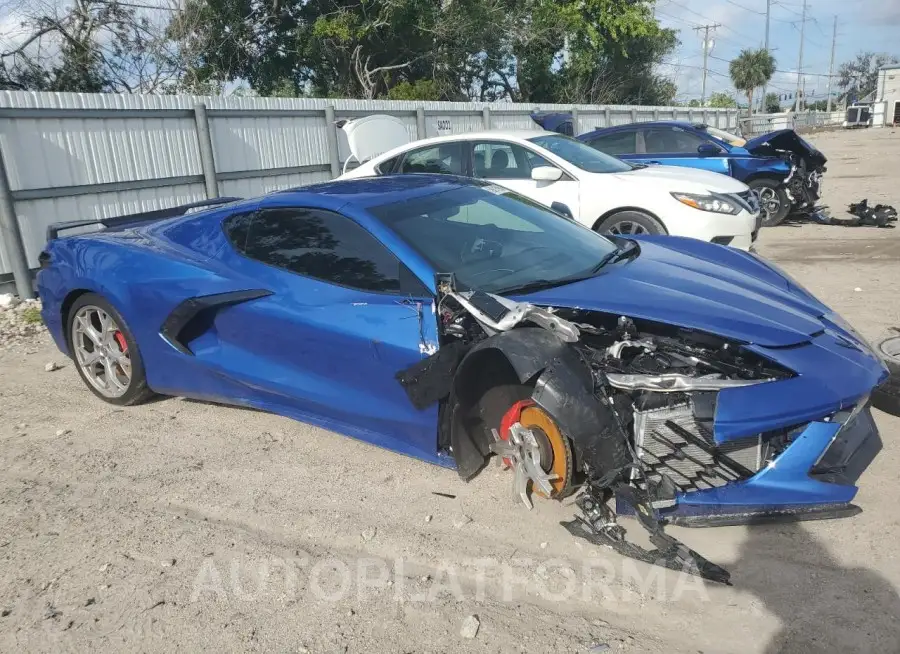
(371, 136)
(698, 286)
(684, 180)
(785, 139)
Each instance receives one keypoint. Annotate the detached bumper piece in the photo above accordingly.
(597, 524)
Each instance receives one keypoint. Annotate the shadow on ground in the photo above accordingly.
(822, 605)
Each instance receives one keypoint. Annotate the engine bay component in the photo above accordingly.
(675, 383)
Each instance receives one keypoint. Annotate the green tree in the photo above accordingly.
(772, 104)
(722, 101)
(859, 76)
(750, 70)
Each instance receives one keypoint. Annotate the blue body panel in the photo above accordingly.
(737, 162)
(328, 355)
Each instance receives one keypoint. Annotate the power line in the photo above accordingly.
(779, 70)
(707, 45)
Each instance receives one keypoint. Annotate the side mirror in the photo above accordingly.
(708, 149)
(546, 174)
(562, 209)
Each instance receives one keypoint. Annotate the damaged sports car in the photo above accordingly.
(781, 166)
(451, 320)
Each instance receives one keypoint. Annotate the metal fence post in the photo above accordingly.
(11, 237)
(705, 117)
(207, 160)
(656, 114)
(334, 157)
(420, 123)
(674, 113)
(607, 117)
(575, 128)
(690, 115)
(634, 114)
(486, 117)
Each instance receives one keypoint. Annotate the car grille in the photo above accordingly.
(672, 442)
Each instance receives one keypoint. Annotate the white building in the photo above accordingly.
(887, 96)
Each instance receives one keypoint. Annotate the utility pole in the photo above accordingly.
(707, 46)
(800, 59)
(768, 10)
(831, 65)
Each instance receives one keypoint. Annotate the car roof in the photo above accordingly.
(654, 123)
(367, 192)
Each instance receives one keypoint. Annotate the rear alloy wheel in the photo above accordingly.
(105, 353)
(774, 204)
(630, 223)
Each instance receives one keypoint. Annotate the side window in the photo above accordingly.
(444, 158)
(495, 160)
(616, 143)
(387, 167)
(322, 245)
(671, 140)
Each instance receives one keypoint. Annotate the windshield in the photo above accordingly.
(581, 155)
(726, 137)
(495, 240)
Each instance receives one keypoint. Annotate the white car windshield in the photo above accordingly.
(581, 155)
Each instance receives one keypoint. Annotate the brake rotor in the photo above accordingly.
(556, 452)
(533, 446)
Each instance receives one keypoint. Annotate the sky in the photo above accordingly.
(743, 22)
(742, 25)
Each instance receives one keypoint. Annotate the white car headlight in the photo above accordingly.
(713, 203)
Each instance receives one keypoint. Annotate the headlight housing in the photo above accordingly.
(713, 203)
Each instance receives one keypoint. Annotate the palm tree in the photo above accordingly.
(750, 70)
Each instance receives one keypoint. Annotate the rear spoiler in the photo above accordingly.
(147, 216)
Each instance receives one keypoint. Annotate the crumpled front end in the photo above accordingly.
(675, 424)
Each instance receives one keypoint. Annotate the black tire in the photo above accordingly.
(618, 221)
(784, 203)
(887, 396)
(137, 390)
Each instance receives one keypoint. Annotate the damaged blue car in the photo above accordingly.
(453, 320)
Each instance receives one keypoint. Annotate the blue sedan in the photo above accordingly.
(784, 169)
(449, 319)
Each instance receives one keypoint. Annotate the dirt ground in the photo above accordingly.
(183, 525)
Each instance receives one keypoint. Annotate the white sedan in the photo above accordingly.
(597, 190)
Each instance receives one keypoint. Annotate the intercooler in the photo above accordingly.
(671, 441)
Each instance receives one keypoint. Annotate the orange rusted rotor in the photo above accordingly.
(556, 452)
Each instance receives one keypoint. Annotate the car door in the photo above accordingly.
(672, 145)
(345, 315)
(510, 164)
(621, 144)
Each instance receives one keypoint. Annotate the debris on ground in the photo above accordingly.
(428, 518)
(470, 627)
(881, 215)
(369, 533)
(597, 649)
(51, 366)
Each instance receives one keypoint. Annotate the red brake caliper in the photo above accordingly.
(120, 339)
(510, 418)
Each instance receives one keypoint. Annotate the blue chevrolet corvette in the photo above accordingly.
(450, 319)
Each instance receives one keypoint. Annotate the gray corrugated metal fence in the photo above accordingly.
(79, 156)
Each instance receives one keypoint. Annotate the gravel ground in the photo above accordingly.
(184, 525)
